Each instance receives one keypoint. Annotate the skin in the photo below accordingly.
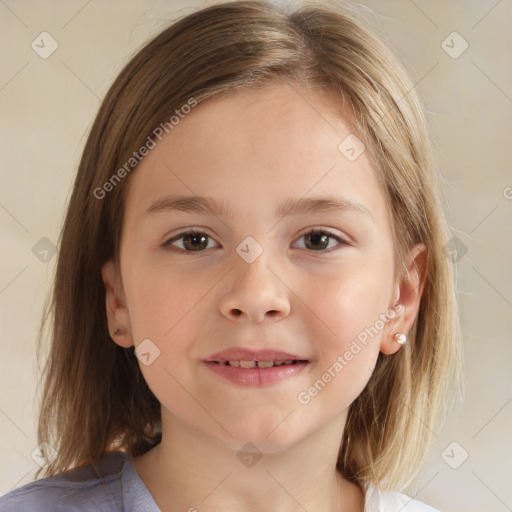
(253, 150)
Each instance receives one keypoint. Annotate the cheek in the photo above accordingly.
(351, 305)
(160, 299)
(351, 301)
(164, 305)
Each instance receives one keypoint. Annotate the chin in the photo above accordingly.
(268, 433)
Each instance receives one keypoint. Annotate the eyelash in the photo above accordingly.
(341, 241)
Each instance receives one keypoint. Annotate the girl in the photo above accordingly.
(252, 308)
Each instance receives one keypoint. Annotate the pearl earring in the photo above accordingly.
(400, 338)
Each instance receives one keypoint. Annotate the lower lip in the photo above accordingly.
(256, 376)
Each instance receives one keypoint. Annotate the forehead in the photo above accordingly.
(248, 148)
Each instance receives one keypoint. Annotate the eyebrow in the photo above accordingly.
(304, 205)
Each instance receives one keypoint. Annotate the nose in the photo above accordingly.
(254, 293)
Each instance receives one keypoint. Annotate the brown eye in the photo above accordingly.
(195, 242)
(190, 241)
(319, 240)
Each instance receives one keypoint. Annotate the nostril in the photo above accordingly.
(238, 312)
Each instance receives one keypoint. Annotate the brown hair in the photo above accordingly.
(95, 399)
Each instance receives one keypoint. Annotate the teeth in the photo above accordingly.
(248, 364)
(258, 364)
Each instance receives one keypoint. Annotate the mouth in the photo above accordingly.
(256, 368)
(258, 364)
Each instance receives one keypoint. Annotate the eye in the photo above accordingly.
(197, 241)
(191, 241)
(318, 240)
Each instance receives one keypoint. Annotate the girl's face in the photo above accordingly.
(251, 277)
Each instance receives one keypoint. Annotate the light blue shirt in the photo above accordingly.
(116, 487)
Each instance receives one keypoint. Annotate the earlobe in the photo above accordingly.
(117, 313)
(409, 291)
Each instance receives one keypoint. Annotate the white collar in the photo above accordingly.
(389, 501)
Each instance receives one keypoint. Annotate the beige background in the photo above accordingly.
(47, 106)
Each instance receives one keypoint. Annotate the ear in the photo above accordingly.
(117, 313)
(407, 291)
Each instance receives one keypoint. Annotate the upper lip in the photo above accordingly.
(246, 354)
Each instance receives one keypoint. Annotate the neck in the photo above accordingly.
(190, 471)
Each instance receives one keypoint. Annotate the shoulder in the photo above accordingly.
(82, 489)
(386, 501)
